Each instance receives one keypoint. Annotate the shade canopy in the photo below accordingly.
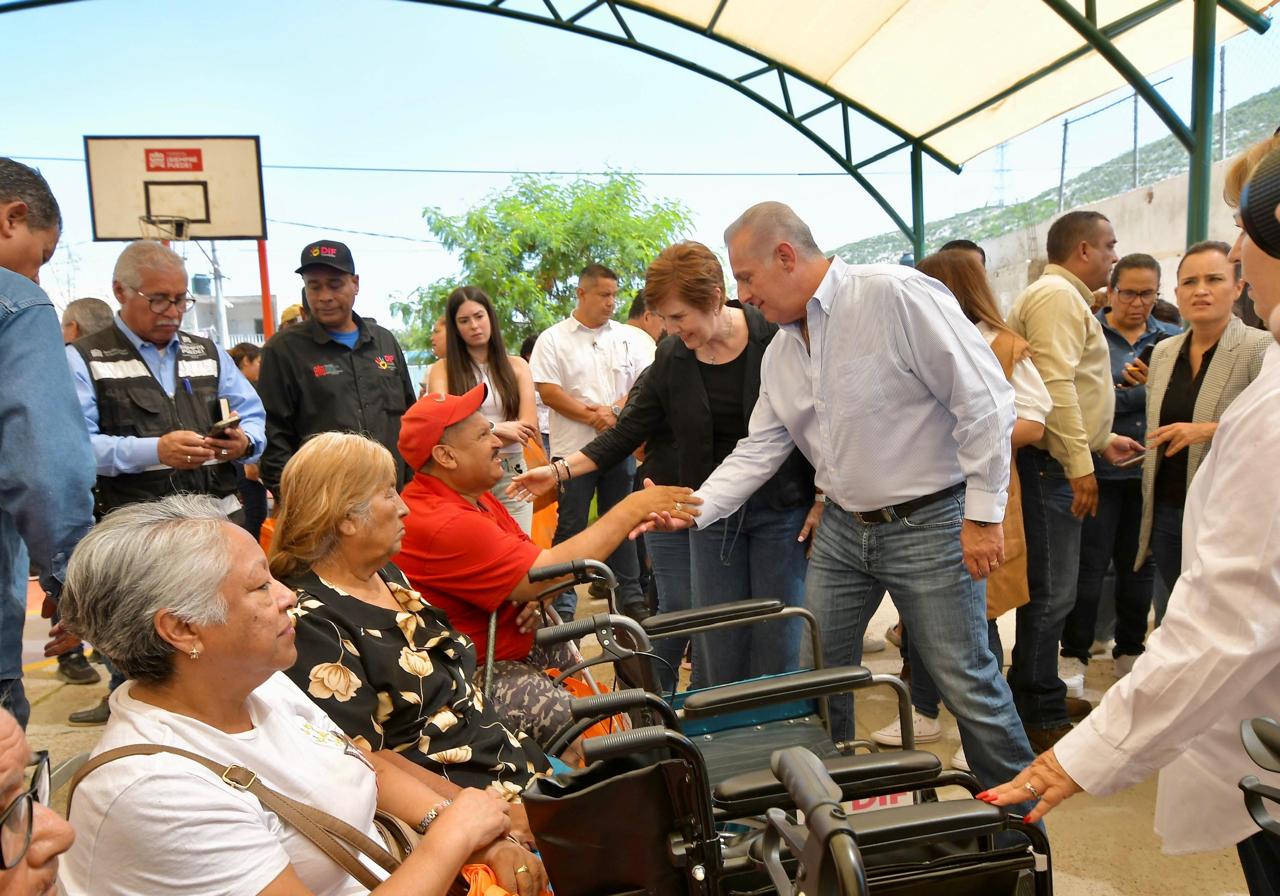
(933, 68)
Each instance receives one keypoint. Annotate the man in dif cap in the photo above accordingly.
(335, 371)
(469, 557)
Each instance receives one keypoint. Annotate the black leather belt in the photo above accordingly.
(906, 508)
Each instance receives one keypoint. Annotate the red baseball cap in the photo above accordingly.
(424, 423)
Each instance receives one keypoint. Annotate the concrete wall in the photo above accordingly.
(1150, 219)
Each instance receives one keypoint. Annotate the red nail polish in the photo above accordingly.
(983, 795)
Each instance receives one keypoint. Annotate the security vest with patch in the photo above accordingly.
(131, 402)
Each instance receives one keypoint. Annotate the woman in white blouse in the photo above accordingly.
(961, 271)
(1215, 659)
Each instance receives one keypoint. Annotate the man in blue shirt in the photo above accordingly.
(150, 395)
(46, 472)
(1111, 537)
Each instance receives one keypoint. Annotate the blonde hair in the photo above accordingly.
(331, 477)
(1242, 166)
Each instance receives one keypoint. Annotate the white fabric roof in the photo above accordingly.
(920, 63)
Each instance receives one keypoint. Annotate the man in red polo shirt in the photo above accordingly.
(469, 557)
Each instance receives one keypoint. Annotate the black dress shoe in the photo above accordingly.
(73, 668)
(88, 718)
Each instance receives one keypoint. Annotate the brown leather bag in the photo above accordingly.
(1007, 586)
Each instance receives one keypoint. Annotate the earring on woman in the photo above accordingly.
(195, 653)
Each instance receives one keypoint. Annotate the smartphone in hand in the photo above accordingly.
(1145, 357)
(1131, 462)
(219, 430)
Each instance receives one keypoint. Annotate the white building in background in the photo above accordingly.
(244, 314)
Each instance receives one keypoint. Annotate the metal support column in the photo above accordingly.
(917, 202)
(1203, 57)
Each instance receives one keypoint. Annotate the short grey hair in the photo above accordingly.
(89, 314)
(19, 182)
(770, 223)
(145, 255)
(170, 555)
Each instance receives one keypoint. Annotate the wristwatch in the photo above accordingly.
(616, 410)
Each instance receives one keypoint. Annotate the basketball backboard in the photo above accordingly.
(203, 188)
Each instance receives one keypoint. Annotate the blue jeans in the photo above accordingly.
(924, 690)
(669, 553)
(13, 616)
(608, 487)
(1053, 566)
(752, 553)
(1166, 550)
(918, 560)
(1111, 537)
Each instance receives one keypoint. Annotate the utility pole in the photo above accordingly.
(1135, 140)
(1222, 102)
(1062, 167)
(223, 337)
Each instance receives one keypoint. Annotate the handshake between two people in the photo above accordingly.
(665, 508)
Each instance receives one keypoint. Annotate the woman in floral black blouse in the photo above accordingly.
(386, 667)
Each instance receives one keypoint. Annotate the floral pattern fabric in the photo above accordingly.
(402, 681)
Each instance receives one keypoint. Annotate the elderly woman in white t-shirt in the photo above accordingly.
(183, 603)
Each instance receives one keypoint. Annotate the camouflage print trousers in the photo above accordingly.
(524, 697)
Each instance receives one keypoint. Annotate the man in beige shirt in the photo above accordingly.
(1058, 486)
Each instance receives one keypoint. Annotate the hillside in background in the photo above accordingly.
(1247, 122)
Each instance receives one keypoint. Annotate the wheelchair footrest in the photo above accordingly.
(753, 792)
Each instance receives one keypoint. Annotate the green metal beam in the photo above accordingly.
(1108, 51)
(1114, 30)
(1203, 57)
(1246, 14)
(917, 203)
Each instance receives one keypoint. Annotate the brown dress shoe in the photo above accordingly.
(1077, 709)
(1044, 738)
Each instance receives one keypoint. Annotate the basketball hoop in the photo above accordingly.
(153, 227)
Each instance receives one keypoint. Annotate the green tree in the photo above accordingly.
(525, 245)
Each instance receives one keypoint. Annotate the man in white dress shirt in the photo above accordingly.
(583, 367)
(906, 416)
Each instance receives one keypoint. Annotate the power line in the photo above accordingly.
(368, 169)
(387, 236)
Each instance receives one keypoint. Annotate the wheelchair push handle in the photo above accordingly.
(573, 568)
(1261, 737)
(802, 773)
(638, 740)
(565, 631)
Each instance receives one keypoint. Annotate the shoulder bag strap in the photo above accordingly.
(325, 831)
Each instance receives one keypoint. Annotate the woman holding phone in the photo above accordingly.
(1192, 380)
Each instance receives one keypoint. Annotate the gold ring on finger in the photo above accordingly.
(1035, 794)
(523, 869)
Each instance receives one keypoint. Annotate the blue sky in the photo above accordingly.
(384, 83)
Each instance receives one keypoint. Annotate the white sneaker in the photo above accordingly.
(927, 731)
(872, 644)
(1124, 665)
(1098, 648)
(958, 761)
(1071, 671)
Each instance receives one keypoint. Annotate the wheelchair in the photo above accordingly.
(1261, 739)
(685, 801)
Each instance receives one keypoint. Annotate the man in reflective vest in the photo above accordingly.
(151, 395)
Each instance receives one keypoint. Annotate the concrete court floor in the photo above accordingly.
(1101, 847)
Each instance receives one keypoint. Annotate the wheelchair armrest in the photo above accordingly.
(926, 822)
(778, 689)
(669, 623)
(750, 793)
